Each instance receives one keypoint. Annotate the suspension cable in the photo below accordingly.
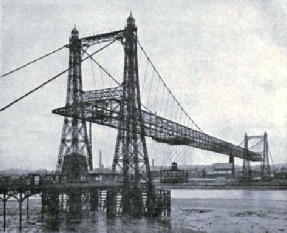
(51, 79)
(101, 67)
(146, 108)
(103, 81)
(271, 158)
(94, 77)
(241, 142)
(255, 144)
(145, 74)
(150, 89)
(166, 85)
(155, 99)
(29, 63)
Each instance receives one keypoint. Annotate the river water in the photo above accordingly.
(192, 211)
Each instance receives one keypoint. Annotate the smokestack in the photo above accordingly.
(100, 160)
(90, 145)
(285, 138)
(152, 163)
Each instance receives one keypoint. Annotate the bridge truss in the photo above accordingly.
(121, 108)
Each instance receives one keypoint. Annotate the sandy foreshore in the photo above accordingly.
(192, 211)
(229, 215)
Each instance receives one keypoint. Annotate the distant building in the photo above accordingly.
(173, 175)
(222, 169)
(102, 174)
(282, 174)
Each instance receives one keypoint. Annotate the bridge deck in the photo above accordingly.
(103, 107)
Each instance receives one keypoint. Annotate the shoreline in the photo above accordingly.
(223, 187)
(235, 186)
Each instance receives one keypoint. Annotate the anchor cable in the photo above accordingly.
(29, 63)
(51, 79)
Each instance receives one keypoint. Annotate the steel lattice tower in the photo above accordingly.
(265, 168)
(75, 157)
(246, 162)
(131, 151)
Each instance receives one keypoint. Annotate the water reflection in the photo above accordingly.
(192, 210)
(99, 222)
(52, 222)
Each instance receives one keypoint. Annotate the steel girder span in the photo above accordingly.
(103, 107)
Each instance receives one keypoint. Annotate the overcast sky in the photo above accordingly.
(225, 61)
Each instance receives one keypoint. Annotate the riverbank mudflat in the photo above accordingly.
(192, 211)
(209, 215)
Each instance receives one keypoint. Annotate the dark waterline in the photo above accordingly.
(192, 211)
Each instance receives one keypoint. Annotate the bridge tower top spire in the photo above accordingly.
(75, 155)
(75, 33)
(131, 22)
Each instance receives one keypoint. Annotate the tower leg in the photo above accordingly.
(131, 153)
(246, 172)
(111, 203)
(231, 160)
(4, 210)
(265, 168)
(20, 210)
(75, 204)
(27, 207)
(94, 200)
(50, 206)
